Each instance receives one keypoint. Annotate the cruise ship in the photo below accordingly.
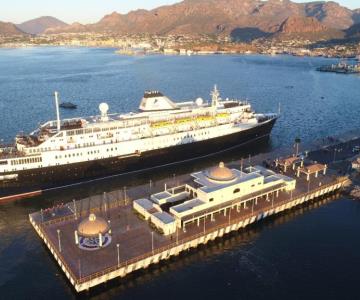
(64, 152)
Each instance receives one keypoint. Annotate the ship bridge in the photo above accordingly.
(155, 101)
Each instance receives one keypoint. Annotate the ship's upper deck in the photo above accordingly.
(123, 120)
(155, 109)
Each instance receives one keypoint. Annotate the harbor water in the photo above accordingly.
(308, 253)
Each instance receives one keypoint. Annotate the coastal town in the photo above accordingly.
(142, 44)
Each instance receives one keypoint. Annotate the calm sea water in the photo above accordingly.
(311, 253)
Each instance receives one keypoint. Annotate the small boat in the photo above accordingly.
(68, 105)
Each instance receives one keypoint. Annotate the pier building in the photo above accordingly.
(212, 192)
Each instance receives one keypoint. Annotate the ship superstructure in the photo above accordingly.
(114, 143)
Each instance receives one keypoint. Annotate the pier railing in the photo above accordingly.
(195, 236)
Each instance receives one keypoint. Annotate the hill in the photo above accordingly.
(237, 17)
(40, 25)
(306, 28)
(9, 29)
(353, 31)
(72, 28)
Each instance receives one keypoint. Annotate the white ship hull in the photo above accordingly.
(39, 180)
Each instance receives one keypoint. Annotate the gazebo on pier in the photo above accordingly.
(312, 169)
(93, 233)
(292, 162)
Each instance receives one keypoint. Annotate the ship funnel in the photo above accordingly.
(58, 124)
(104, 107)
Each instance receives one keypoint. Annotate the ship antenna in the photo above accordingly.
(215, 96)
(57, 111)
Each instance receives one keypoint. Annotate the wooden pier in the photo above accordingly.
(135, 245)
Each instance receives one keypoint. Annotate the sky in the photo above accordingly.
(88, 11)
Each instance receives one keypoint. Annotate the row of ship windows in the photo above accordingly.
(80, 153)
(93, 144)
(89, 130)
(116, 141)
(184, 137)
(85, 145)
(26, 161)
(39, 150)
(112, 149)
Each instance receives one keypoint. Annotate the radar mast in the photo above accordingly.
(215, 97)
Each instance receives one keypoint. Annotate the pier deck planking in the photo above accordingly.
(134, 235)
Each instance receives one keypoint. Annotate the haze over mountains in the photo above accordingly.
(9, 29)
(40, 25)
(34, 26)
(242, 19)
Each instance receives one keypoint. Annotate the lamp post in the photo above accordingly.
(76, 237)
(75, 213)
(241, 167)
(104, 201)
(118, 254)
(152, 242)
(125, 195)
(297, 143)
(150, 187)
(204, 224)
(335, 150)
(79, 266)
(177, 235)
(58, 234)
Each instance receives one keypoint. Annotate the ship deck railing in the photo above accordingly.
(122, 120)
(6, 153)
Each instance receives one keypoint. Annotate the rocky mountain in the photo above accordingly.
(306, 27)
(239, 18)
(330, 14)
(353, 31)
(296, 24)
(9, 29)
(356, 16)
(40, 25)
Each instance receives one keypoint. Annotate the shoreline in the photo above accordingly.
(175, 53)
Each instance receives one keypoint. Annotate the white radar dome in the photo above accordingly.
(104, 107)
(199, 101)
